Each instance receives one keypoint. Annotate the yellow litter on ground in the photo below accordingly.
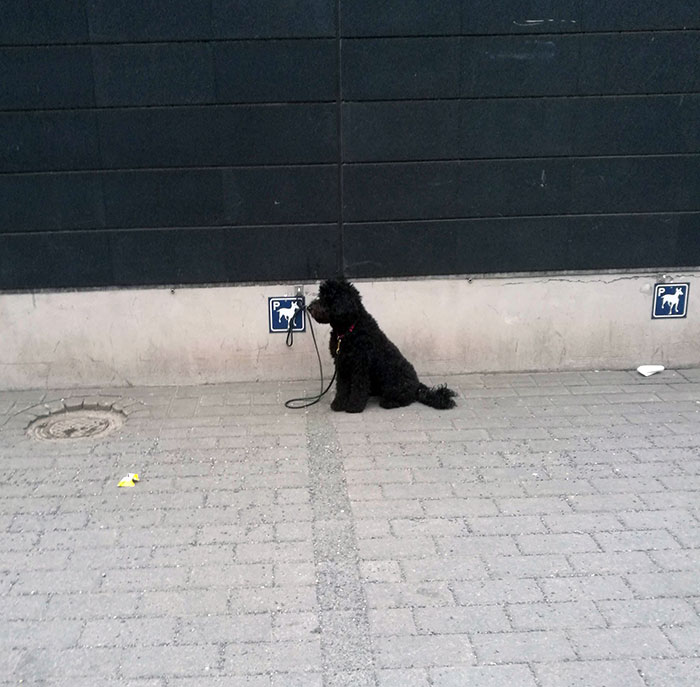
(129, 480)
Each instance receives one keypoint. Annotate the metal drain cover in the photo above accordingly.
(81, 423)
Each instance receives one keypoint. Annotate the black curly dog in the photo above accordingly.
(366, 362)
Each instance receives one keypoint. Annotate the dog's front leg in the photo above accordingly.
(359, 390)
(342, 393)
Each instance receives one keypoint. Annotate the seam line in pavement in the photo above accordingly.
(345, 637)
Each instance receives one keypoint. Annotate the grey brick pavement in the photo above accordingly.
(544, 533)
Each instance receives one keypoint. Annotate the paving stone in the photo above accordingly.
(261, 657)
(517, 524)
(583, 522)
(685, 639)
(589, 587)
(402, 677)
(416, 594)
(482, 676)
(662, 585)
(543, 616)
(430, 527)
(556, 543)
(615, 673)
(483, 591)
(423, 651)
(671, 672)
(461, 619)
(212, 629)
(391, 621)
(395, 547)
(380, 571)
(648, 612)
(622, 642)
(541, 565)
(449, 567)
(36, 634)
(32, 665)
(648, 540)
(521, 647)
(533, 506)
(677, 559)
(618, 562)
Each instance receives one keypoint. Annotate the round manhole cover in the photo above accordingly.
(76, 424)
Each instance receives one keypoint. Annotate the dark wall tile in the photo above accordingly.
(168, 256)
(521, 16)
(46, 78)
(298, 252)
(50, 260)
(519, 65)
(626, 15)
(517, 245)
(208, 136)
(39, 202)
(160, 74)
(42, 21)
(177, 198)
(160, 137)
(579, 65)
(399, 18)
(413, 18)
(273, 19)
(276, 71)
(456, 189)
(211, 255)
(149, 20)
(522, 127)
(688, 252)
(48, 141)
(546, 186)
(400, 191)
(378, 69)
(636, 125)
(533, 127)
(450, 129)
(273, 195)
(280, 134)
(636, 184)
(217, 197)
(418, 130)
(640, 63)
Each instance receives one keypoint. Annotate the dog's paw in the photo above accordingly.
(337, 405)
(355, 406)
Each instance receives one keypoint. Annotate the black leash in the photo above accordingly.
(290, 329)
(306, 401)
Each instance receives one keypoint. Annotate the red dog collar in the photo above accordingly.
(341, 337)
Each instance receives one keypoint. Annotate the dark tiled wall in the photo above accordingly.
(217, 141)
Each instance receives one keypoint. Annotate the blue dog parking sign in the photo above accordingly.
(670, 300)
(283, 309)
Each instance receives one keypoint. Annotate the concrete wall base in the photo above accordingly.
(446, 325)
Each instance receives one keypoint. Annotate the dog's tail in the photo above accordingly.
(440, 397)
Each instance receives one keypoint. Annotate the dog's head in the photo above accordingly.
(339, 303)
